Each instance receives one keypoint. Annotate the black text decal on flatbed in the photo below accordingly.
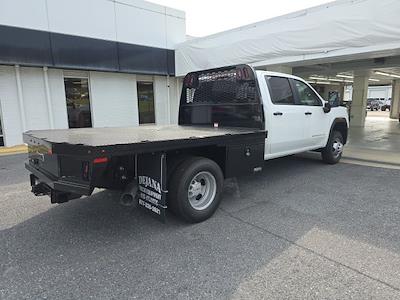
(152, 183)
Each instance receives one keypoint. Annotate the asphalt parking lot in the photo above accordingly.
(300, 229)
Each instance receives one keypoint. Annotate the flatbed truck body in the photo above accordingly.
(72, 162)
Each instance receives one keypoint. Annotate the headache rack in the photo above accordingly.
(227, 97)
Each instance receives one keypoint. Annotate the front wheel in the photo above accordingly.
(195, 189)
(333, 151)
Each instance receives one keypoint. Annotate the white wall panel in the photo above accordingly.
(175, 94)
(161, 100)
(33, 90)
(24, 13)
(58, 101)
(113, 99)
(140, 26)
(11, 117)
(175, 30)
(90, 18)
(175, 12)
(143, 5)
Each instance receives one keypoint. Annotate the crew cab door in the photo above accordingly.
(285, 121)
(316, 120)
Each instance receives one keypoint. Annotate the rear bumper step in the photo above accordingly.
(59, 190)
(42, 189)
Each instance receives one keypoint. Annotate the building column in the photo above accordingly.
(48, 97)
(20, 97)
(341, 93)
(359, 102)
(395, 105)
(280, 69)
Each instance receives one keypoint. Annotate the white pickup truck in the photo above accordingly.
(230, 120)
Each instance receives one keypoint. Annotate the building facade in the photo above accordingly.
(86, 63)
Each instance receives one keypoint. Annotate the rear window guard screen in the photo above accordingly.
(218, 92)
(220, 87)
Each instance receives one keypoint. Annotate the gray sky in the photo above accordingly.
(204, 17)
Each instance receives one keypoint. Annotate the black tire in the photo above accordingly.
(331, 154)
(183, 178)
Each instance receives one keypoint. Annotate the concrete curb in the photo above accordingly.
(13, 150)
(367, 160)
(370, 164)
(372, 155)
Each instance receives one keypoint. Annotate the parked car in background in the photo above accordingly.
(372, 104)
(386, 105)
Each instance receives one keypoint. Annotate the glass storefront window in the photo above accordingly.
(78, 102)
(146, 102)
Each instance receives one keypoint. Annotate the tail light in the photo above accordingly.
(100, 160)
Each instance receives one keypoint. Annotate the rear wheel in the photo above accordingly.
(195, 189)
(333, 151)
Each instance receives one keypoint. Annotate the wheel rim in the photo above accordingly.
(337, 147)
(202, 190)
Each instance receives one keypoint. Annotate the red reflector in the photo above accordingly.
(100, 160)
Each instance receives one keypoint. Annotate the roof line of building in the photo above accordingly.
(164, 8)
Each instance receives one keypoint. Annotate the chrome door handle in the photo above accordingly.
(278, 113)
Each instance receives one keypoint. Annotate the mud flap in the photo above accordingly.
(152, 183)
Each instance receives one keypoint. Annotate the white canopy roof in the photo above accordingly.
(343, 28)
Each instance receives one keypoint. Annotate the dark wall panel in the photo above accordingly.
(171, 62)
(135, 58)
(24, 46)
(80, 52)
(40, 48)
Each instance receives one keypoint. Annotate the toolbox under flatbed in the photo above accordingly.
(135, 139)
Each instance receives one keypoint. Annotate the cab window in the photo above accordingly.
(280, 90)
(306, 95)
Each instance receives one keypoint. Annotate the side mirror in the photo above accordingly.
(327, 107)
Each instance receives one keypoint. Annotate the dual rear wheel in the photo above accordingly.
(195, 187)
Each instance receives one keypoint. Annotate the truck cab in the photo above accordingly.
(297, 118)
